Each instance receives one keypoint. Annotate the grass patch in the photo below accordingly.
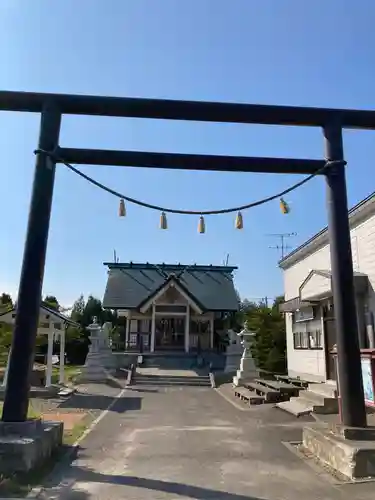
(71, 436)
(31, 413)
(71, 373)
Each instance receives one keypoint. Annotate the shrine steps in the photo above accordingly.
(170, 375)
(320, 398)
(171, 380)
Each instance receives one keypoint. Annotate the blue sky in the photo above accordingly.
(315, 53)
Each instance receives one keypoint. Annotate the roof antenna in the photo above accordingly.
(115, 258)
(226, 261)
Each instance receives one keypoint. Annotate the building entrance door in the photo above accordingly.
(170, 333)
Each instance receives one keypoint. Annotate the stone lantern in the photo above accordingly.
(247, 369)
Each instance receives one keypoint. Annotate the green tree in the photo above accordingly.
(84, 312)
(6, 302)
(51, 302)
(93, 308)
(269, 345)
(78, 309)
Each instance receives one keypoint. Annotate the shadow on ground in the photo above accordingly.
(140, 389)
(182, 490)
(101, 402)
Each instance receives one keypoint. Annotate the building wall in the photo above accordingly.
(46, 321)
(171, 296)
(305, 363)
(312, 363)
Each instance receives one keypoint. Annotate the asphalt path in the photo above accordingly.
(191, 443)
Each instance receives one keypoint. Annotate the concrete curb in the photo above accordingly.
(73, 449)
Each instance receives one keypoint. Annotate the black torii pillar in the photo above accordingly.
(353, 410)
(30, 287)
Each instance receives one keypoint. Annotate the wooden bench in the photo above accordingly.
(249, 397)
(265, 374)
(294, 381)
(282, 387)
(268, 393)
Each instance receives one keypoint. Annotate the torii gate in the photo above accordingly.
(53, 106)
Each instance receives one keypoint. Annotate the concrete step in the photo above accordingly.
(155, 378)
(315, 398)
(295, 407)
(324, 406)
(170, 384)
(162, 376)
(326, 389)
(172, 381)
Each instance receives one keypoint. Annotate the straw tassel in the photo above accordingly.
(239, 221)
(122, 209)
(163, 221)
(285, 209)
(201, 225)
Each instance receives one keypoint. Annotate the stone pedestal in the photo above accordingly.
(26, 445)
(348, 451)
(108, 358)
(233, 353)
(247, 370)
(94, 369)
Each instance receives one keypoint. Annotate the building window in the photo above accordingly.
(133, 339)
(57, 326)
(308, 340)
(133, 326)
(304, 314)
(301, 340)
(315, 339)
(145, 325)
(44, 324)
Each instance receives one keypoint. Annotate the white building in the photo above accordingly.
(309, 307)
(52, 324)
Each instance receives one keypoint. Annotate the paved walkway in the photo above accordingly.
(190, 443)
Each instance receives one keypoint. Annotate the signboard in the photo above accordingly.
(368, 384)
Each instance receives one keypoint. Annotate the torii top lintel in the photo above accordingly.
(187, 110)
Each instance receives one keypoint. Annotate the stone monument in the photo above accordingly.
(108, 358)
(247, 369)
(94, 369)
(233, 353)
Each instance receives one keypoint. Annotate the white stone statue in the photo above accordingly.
(247, 369)
(233, 352)
(94, 368)
(109, 360)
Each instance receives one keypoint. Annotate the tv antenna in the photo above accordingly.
(282, 237)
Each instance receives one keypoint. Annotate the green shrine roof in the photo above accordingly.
(130, 285)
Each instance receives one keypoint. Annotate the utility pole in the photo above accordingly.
(283, 247)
